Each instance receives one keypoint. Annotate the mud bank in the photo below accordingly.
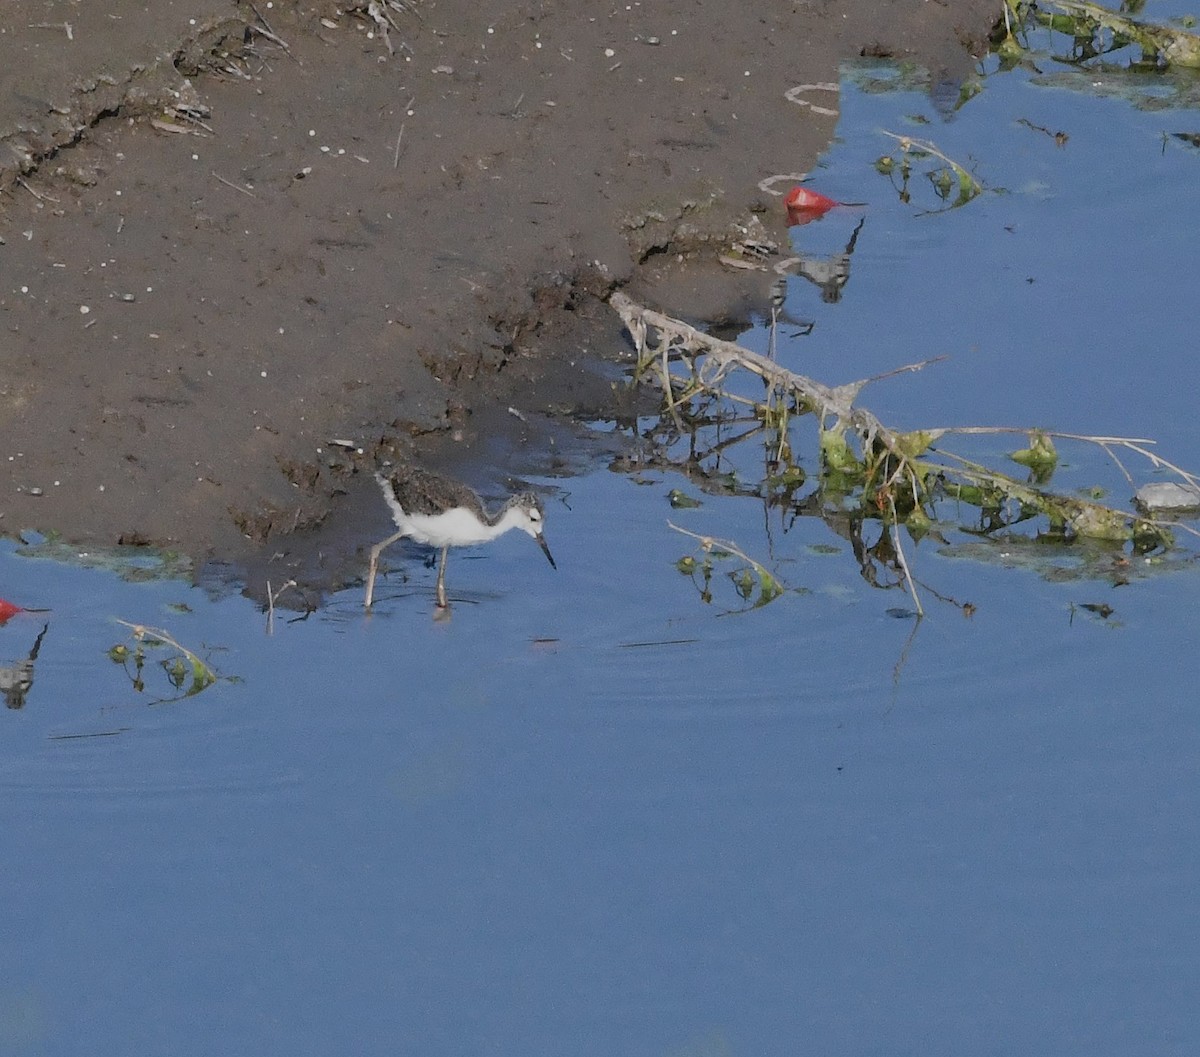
(242, 242)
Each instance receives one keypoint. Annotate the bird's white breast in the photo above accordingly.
(453, 528)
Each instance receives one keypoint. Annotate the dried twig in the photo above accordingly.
(36, 194)
(265, 30)
(272, 598)
(64, 26)
(894, 528)
(230, 183)
(396, 155)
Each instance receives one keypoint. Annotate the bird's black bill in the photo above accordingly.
(541, 540)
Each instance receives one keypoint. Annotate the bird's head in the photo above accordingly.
(526, 513)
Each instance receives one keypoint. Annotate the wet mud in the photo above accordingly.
(247, 249)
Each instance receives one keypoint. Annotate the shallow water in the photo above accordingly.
(591, 813)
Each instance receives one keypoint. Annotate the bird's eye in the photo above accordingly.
(534, 516)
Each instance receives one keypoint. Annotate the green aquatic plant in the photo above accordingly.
(133, 564)
(752, 581)
(1041, 457)
(681, 500)
(952, 183)
(185, 671)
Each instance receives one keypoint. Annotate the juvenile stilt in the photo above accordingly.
(445, 514)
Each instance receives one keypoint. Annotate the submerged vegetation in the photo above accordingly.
(872, 474)
(185, 672)
(754, 584)
(1095, 32)
(953, 185)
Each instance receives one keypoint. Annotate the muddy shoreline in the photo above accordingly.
(250, 248)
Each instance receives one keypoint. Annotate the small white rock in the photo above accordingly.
(1167, 495)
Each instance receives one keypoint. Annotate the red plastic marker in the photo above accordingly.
(803, 198)
(804, 205)
(7, 609)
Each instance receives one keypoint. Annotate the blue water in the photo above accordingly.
(1060, 295)
(591, 814)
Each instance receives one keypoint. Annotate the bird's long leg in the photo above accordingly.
(441, 580)
(374, 566)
